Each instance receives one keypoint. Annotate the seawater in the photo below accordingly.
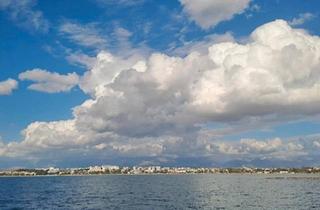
(203, 191)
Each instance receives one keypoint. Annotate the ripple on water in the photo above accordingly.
(162, 192)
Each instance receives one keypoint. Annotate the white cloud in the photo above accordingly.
(81, 59)
(105, 70)
(165, 102)
(50, 82)
(124, 3)
(202, 46)
(209, 13)
(87, 35)
(40, 136)
(123, 47)
(7, 86)
(231, 82)
(269, 148)
(304, 17)
(22, 12)
(255, 8)
(91, 35)
(51, 134)
(316, 144)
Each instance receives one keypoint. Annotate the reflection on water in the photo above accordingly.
(162, 192)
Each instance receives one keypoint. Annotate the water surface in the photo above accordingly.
(206, 191)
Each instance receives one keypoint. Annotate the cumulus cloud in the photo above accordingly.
(304, 17)
(7, 86)
(23, 13)
(105, 69)
(42, 136)
(50, 82)
(209, 13)
(166, 102)
(231, 82)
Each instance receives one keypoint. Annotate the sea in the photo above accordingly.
(191, 191)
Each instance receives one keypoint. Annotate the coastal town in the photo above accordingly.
(140, 170)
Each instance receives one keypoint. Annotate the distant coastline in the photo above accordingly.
(149, 170)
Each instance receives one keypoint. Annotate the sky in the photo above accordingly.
(170, 83)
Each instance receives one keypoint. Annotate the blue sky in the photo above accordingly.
(56, 43)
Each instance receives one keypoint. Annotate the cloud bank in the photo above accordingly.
(165, 107)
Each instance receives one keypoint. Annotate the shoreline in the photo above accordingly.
(162, 174)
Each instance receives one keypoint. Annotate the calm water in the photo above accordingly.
(161, 192)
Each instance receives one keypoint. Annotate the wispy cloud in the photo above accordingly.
(22, 12)
(78, 58)
(202, 45)
(304, 17)
(124, 3)
(87, 35)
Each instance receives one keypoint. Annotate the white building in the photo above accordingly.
(110, 168)
(96, 169)
(53, 170)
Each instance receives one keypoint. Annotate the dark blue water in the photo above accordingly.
(161, 192)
